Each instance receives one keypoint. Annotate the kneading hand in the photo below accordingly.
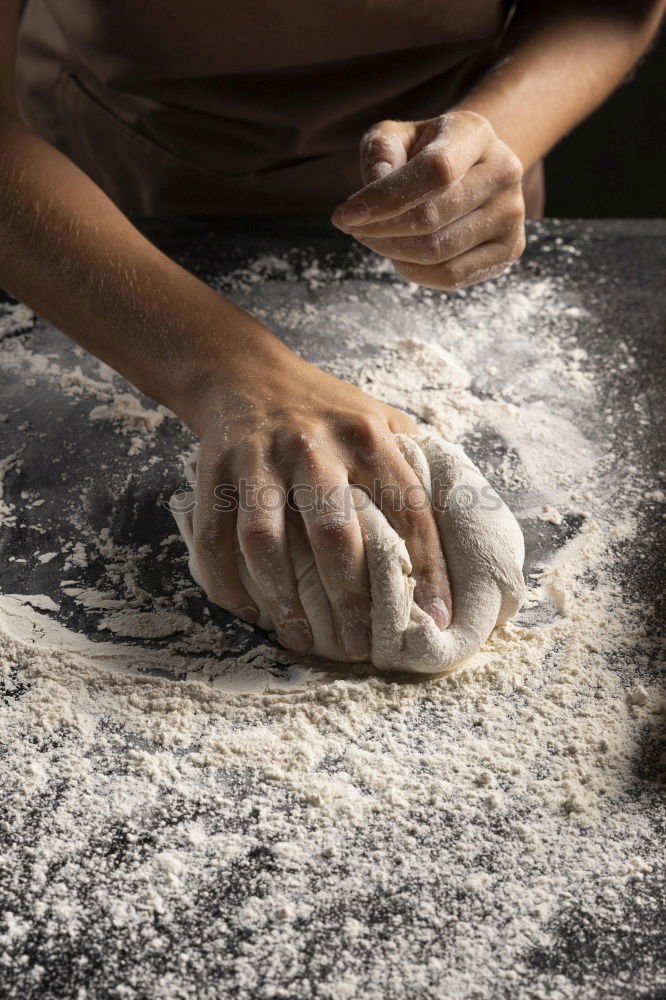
(443, 200)
(280, 426)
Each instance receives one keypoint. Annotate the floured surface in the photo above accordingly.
(481, 541)
(191, 814)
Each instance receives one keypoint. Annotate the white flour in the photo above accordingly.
(291, 833)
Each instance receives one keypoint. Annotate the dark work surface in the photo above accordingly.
(622, 264)
(622, 267)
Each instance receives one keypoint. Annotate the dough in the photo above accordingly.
(484, 551)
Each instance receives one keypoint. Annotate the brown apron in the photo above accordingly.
(250, 108)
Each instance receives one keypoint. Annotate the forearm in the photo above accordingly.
(73, 257)
(558, 62)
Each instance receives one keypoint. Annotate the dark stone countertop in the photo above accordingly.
(621, 265)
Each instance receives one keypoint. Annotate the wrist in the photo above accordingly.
(238, 363)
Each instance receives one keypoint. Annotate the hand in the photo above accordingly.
(443, 200)
(277, 422)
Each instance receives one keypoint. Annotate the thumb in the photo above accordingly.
(384, 148)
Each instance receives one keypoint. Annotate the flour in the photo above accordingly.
(130, 415)
(118, 405)
(7, 464)
(14, 318)
(146, 624)
(196, 815)
(481, 541)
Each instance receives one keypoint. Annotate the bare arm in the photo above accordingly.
(558, 62)
(73, 257)
(443, 197)
(263, 415)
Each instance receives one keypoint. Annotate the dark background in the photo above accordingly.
(614, 164)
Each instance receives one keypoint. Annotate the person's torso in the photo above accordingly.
(261, 96)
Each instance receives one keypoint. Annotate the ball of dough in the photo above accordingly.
(483, 548)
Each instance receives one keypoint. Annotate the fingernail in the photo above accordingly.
(296, 635)
(248, 614)
(356, 640)
(436, 608)
(354, 214)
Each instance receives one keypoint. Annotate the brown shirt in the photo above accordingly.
(245, 108)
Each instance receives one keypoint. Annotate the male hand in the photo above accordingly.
(443, 200)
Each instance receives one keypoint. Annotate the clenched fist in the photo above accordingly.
(443, 200)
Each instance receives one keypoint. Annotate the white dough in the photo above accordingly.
(482, 544)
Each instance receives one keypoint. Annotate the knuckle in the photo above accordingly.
(257, 530)
(447, 278)
(512, 169)
(304, 443)
(333, 525)
(515, 214)
(449, 242)
(403, 269)
(469, 120)
(367, 430)
(473, 120)
(519, 244)
(439, 166)
(426, 217)
(430, 249)
(482, 123)
(442, 122)
(410, 272)
(331, 517)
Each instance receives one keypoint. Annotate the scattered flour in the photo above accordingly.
(146, 624)
(8, 463)
(189, 815)
(118, 402)
(127, 411)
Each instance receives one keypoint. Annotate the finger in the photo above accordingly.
(481, 182)
(324, 499)
(383, 148)
(401, 497)
(214, 534)
(480, 264)
(400, 422)
(501, 218)
(459, 142)
(263, 541)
